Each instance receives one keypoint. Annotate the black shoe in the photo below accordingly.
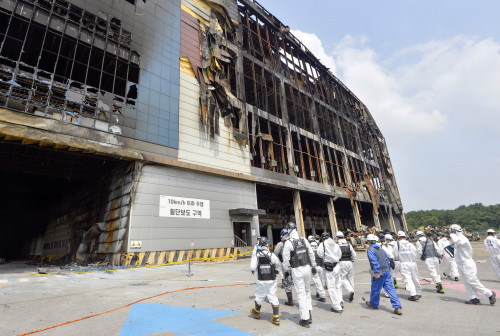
(493, 298)
(473, 301)
(413, 298)
(419, 296)
(317, 295)
(342, 304)
(444, 274)
(289, 296)
(310, 317)
(351, 296)
(336, 311)
(304, 323)
(322, 300)
(456, 278)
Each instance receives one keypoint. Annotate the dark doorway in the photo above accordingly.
(243, 231)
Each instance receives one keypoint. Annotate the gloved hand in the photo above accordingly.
(259, 248)
(287, 274)
(253, 272)
(276, 271)
(314, 271)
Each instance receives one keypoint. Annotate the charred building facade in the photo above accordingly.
(150, 131)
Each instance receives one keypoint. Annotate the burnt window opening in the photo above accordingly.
(39, 48)
(268, 145)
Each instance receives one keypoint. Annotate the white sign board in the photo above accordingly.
(171, 206)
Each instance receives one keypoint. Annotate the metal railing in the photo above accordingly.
(238, 242)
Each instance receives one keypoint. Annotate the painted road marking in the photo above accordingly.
(149, 318)
(461, 287)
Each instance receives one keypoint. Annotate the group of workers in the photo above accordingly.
(329, 264)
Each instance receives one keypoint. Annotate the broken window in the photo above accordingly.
(54, 53)
(268, 144)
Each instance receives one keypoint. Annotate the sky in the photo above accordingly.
(429, 72)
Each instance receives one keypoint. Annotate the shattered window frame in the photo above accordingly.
(67, 57)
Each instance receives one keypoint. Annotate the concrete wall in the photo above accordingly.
(167, 233)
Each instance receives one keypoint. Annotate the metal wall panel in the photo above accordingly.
(166, 233)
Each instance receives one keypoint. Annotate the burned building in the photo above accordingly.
(141, 132)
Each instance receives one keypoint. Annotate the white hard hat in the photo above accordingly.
(340, 234)
(311, 238)
(401, 234)
(455, 227)
(419, 233)
(371, 237)
(388, 237)
(490, 231)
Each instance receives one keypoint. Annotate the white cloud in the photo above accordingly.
(313, 43)
(438, 106)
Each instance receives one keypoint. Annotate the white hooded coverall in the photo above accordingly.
(406, 253)
(265, 288)
(431, 262)
(317, 278)
(467, 266)
(388, 248)
(330, 251)
(346, 269)
(450, 267)
(301, 275)
(493, 245)
(278, 250)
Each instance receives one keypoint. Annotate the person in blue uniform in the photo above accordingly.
(381, 276)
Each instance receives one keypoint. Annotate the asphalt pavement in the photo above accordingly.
(215, 299)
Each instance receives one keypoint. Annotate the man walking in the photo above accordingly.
(493, 245)
(330, 252)
(467, 267)
(381, 276)
(298, 258)
(428, 252)
(287, 281)
(346, 268)
(450, 268)
(318, 283)
(388, 248)
(266, 264)
(406, 253)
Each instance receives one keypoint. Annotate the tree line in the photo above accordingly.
(475, 217)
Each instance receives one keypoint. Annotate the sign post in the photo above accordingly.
(191, 245)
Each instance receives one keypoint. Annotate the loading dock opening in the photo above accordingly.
(36, 181)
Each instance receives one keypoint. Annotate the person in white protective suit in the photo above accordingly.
(287, 281)
(331, 253)
(467, 267)
(266, 264)
(450, 268)
(406, 253)
(318, 283)
(430, 253)
(493, 245)
(388, 248)
(346, 269)
(298, 259)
